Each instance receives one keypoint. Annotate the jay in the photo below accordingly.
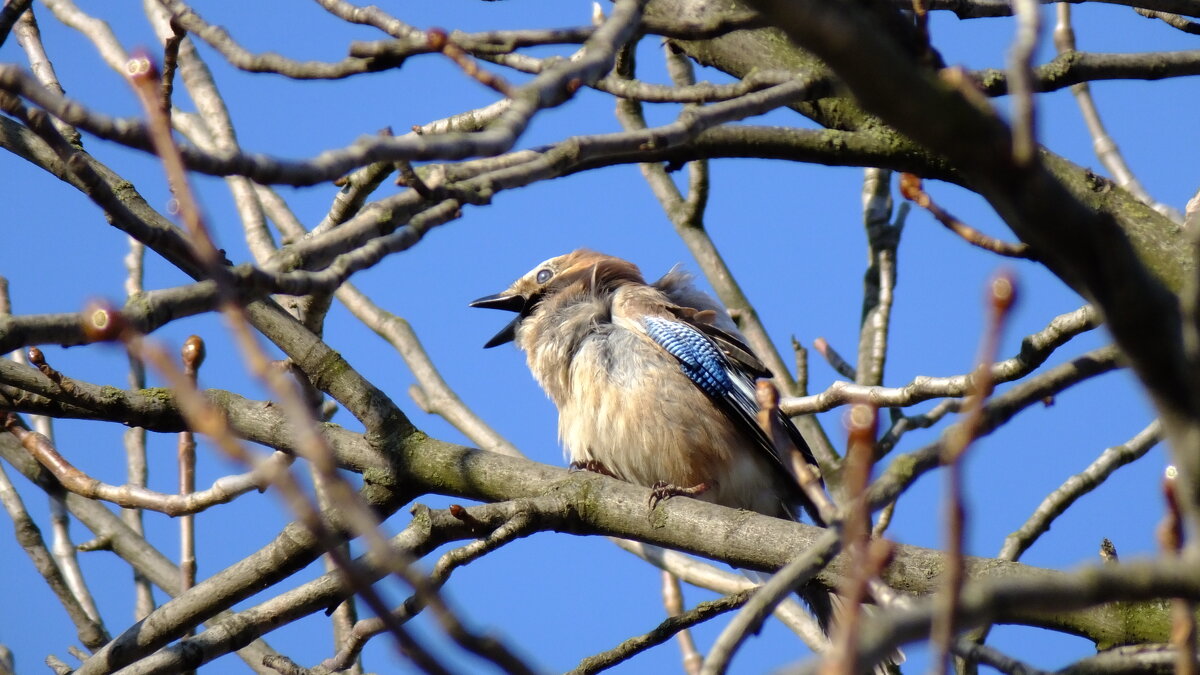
(653, 383)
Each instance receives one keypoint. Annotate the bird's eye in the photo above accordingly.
(544, 275)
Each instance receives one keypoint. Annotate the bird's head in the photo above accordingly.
(578, 271)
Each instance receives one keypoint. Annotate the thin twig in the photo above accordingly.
(901, 473)
(673, 602)
(1035, 349)
(439, 41)
(907, 423)
(869, 557)
(30, 39)
(767, 397)
(193, 355)
(170, 61)
(1172, 20)
(91, 632)
(1020, 79)
(12, 10)
(1057, 502)
(661, 633)
(223, 490)
(910, 187)
(883, 238)
(431, 391)
(1183, 618)
(801, 367)
(1001, 299)
(705, 575)
(1102, 142)
(136, 468)
(63, 548)
(993, 657)
(835, 360)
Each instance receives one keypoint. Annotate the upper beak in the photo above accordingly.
(511, 303)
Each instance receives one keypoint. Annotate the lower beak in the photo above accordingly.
(507, 334)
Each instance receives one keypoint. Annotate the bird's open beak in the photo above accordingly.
(511, 303)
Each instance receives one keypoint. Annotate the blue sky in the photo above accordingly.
(790, 232)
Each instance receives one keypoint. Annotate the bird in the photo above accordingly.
(654, 385)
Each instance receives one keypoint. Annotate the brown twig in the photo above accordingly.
(193, 356)
(408, 178)
(840, 365)
(1183, 618)
(170, 63)
(440, 41)
(770, 422)
(862, 423)
(910, 187)
(870, 559)
(1020, 79)
(1001, 299)
(38, 359)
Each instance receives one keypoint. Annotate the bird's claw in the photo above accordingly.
(663, 490)
(592, 466)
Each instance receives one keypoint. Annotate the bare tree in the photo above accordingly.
(849, 84)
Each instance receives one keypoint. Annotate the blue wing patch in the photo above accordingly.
(700, 359)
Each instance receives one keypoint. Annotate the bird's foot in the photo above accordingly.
(664, 490)
(592, 466)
